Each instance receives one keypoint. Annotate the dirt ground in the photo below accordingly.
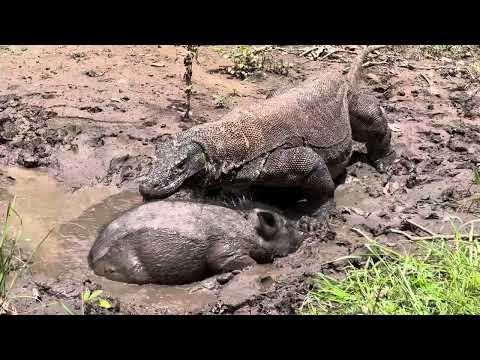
(92, 116)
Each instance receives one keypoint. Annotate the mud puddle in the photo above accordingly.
(75, 219)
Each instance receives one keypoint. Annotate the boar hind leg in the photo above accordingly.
(222, 258)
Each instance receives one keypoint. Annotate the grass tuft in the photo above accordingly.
(443, 278)
(11, 265)
(446, 50)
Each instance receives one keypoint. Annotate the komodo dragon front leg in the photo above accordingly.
(370, 126)
(299, 168)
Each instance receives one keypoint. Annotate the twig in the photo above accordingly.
(332, 52)
(395, 231)
(327, 55)
(426, 79)
(434, 237)
(424, 229)
(469, 223)
(377, 297)
(438, 113)
(308, 51)
(472, 202)
(295, 53)
(290, 52)
(358, 231)
(373, 63)
(68, 117)
(346, 257)
(412, 67)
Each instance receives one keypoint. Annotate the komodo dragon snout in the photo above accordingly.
(177, 162)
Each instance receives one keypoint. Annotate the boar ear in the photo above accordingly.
(268, 223)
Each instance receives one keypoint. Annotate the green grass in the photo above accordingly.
(445, 50)
(11, 266)
(7, 252)
(476, 176)
(443, 277)
(246, 61)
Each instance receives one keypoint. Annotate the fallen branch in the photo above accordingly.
(424, 229)
(368, 246)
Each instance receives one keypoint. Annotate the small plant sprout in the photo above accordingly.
(223, 102)
(246, 61)
(476, 175)
(446, 50)
(93, 298)
(192, 53)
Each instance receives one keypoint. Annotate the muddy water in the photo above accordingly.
(76, 218)
(352, 194)
(43, 205)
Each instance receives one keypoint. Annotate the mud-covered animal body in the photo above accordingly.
(176, 242)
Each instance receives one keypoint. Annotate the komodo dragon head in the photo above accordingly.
(177, 161)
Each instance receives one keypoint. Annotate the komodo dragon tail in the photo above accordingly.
(354, 73)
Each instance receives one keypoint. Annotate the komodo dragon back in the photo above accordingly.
(314, 113)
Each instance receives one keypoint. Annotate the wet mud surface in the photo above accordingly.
(79, 126)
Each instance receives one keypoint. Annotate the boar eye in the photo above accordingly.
(110, 269)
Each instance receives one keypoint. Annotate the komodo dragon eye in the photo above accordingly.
(181, 165)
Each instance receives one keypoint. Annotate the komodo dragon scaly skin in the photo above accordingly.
(301, 138)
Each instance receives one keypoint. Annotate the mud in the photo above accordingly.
(79, 126)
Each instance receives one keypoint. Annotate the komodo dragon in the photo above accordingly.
(301, 138)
